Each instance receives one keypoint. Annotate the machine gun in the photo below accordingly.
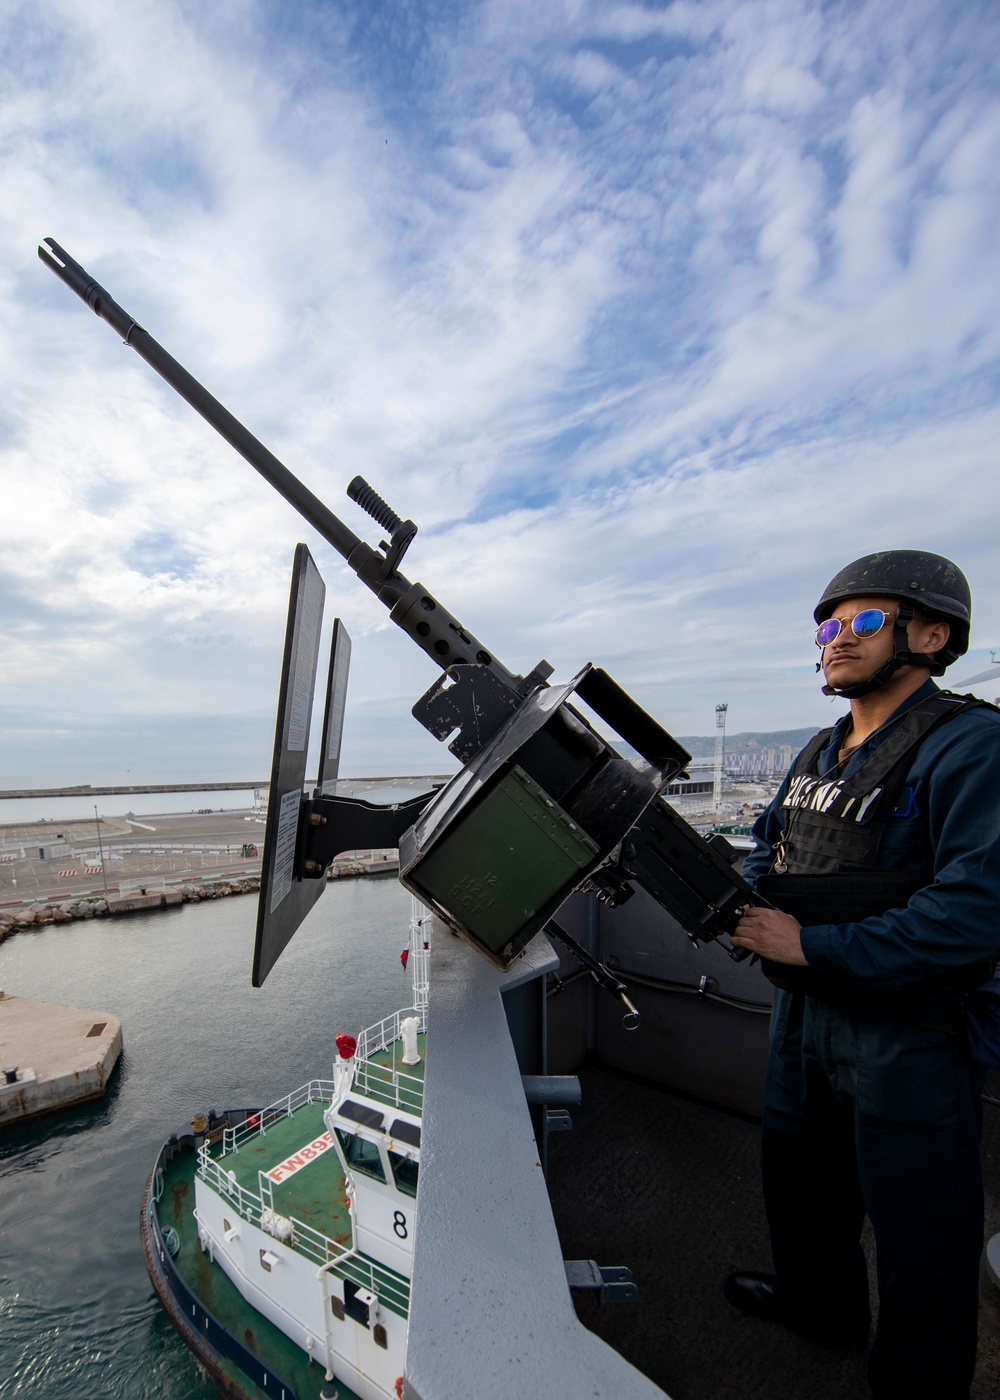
(543, 804)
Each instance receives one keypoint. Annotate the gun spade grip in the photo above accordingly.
(372, 502)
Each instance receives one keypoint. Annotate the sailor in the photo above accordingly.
(881, 855)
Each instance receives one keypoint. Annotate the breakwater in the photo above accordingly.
(97, 906)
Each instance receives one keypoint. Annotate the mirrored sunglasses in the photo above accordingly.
(864, 624)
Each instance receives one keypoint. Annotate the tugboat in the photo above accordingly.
(280, 1239)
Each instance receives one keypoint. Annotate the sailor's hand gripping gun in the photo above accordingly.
(543, 805)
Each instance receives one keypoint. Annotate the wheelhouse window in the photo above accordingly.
(362, 1156)
(405, 1172)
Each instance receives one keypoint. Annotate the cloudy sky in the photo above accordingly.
(651, 316)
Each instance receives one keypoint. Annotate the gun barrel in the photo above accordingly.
(344, 540)
(438, 634)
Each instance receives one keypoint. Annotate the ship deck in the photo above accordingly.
(221, 1298)
(670, 1187)
(313, 1188)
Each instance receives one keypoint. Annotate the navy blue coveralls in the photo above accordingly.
(866, 1114)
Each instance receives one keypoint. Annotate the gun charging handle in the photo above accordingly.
(401, 532)
(601, 975)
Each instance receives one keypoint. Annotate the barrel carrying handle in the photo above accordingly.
(401, 532)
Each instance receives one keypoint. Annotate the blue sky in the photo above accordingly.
(651, 316)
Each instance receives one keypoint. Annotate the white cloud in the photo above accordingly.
(650, 316)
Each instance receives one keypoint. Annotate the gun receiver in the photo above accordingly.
(543, 804)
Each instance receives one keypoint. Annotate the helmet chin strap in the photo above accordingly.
(901, 656)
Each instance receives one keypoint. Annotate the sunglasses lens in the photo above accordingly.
(867, 623)
(827, 632)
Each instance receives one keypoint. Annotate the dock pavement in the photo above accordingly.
(53, 1056)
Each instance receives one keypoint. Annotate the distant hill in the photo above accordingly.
(703, 745)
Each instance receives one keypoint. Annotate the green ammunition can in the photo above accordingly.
(508, 857)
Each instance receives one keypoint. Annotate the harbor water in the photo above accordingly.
(78, 1316)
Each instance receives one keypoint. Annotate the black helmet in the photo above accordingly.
(928, 582)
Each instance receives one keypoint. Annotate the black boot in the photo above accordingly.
(760, 1296)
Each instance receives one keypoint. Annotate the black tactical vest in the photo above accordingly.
(826, 871)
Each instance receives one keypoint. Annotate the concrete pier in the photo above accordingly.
(62, 1055)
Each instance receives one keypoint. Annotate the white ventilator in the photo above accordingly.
(409, 1029)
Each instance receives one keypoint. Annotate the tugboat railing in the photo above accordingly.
(386, 1032)
(250, 1205)
(259, 1120)
(247, 1203)
(191, 1307)
(385, 1083)
(389, 1082)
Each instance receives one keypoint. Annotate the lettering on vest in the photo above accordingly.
(814, 794)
